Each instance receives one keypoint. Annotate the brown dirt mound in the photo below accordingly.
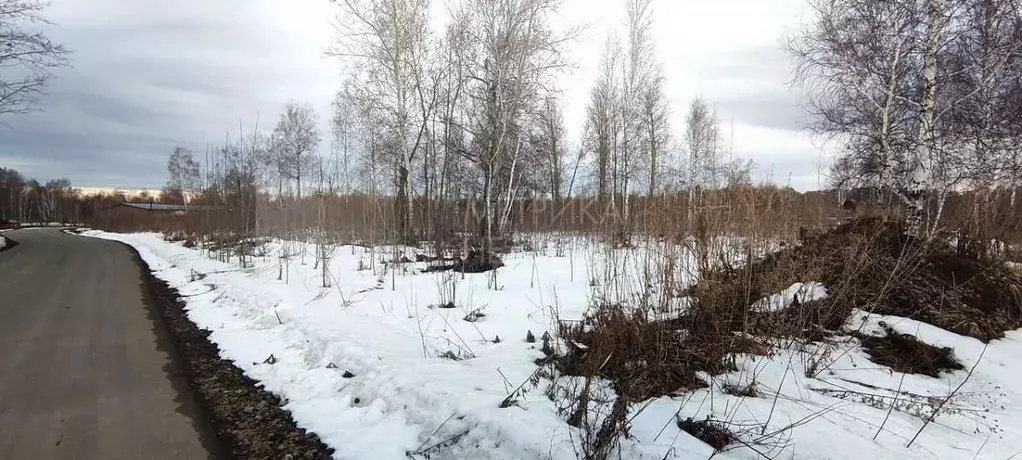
(907, 354)
(870, 264)
(646, 358)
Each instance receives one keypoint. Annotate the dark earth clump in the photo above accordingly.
(907, 354)
(248, 419)
(646, 357)
(871, 263)
(419, 257)
(10, 244)
(479, 262)
(709, 431)
(745, 391)
(474, 262)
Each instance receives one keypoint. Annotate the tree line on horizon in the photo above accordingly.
(921, 97)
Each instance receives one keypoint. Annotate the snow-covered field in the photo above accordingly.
(367, 364)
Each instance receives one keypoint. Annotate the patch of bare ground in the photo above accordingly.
(646, 357)
(906, 353)
(709, 431)
(874, 265)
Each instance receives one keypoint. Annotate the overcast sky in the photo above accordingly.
(149, 75)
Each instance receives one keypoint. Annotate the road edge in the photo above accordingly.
(249, 422)
(8, 243)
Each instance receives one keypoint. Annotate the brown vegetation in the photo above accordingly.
(869, 264)
(905, 353)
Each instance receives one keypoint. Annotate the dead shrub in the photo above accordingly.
(929, 282)
(646, 357)
(905, 353)
(601, 419)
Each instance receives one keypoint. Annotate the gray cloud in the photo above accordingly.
(775, 110)
(147, 77)
(752, 87)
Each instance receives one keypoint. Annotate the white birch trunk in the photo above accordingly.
(921, 174)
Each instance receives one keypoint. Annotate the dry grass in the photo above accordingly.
(869, 264)
(643, 357)
(639, 336)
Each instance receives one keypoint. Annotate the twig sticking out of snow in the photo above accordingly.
(419, 450)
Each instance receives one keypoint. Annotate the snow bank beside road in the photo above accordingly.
(401, 397)
(359, 364)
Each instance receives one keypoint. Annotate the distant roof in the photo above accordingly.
(166, 207)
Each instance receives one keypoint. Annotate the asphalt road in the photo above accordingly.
(86, 368)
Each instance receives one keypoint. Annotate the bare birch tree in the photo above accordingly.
(702, 131)
(28, 57)
(856, 61)
(390, 38)
(984, 63)
(550, 144)
(511, 57)
(182, 173)
(911, 87)
(344, 127)
(297, 137)
(636, 80)
(601, 120)
(450, 117)
(921, 178)
(656, 127)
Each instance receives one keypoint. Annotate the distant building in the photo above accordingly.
(149, 216)
(161, 207)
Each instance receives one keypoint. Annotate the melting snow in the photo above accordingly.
(814, 402)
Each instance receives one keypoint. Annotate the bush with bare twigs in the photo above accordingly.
(646, 357)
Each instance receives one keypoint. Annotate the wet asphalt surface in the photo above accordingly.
(86, 366)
